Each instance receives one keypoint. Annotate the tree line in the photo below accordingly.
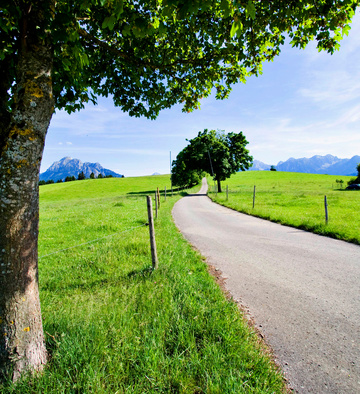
(80, 177)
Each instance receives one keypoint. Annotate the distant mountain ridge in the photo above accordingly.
(72, 167)
(328, 164)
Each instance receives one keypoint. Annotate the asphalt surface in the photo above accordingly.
(301, 289)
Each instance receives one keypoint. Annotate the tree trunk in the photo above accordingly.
(218, 185)
(22, 346)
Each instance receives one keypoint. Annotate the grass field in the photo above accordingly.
(114, 326)
(297, 200)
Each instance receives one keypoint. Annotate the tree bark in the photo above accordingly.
(218, 185)
(22, 346)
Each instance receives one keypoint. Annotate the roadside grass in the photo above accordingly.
(297, 200)
(113, 325)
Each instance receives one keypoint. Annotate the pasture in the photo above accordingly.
(297, 200)
(113, 325)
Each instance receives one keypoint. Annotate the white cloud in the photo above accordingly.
(331, 87)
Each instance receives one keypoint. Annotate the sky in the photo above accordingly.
(305, 103)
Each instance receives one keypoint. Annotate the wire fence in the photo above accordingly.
(158, 193)
(92, 241)
(253, 190)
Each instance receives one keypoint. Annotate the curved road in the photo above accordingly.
(302, 290)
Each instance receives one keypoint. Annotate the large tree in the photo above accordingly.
(146, 54)
(212, 152)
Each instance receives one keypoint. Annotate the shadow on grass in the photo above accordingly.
(141, 273)
(151, 192)
(78, 285)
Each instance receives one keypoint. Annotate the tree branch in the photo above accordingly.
(148, 63)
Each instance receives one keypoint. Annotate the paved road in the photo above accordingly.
(303, 290)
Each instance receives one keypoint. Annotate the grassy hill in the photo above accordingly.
(296, 199)
(114, 326)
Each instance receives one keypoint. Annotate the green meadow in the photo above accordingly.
(113, 325)
(297, 200)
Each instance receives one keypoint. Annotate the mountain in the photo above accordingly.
(72, 167)
(345, 167)
(313, 165)
(259, 166)
(328, 164)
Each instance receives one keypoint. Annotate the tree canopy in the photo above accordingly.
(148, 55)
(212, 152)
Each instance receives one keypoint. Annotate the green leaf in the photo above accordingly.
(236, 26)
(126, 30)
(250, 9)
(119, 9)
(345, 30)
(109, 22)
(112, 21)
(234, 29)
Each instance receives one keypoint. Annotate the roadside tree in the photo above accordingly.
(148, 55)
(212, 152)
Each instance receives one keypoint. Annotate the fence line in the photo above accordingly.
(94, 240)
(254, 195)
(157, 201)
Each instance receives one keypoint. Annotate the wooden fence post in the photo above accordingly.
(326, 210)
(158, 197)
(254, 197)
(156, 206)
(227, 192)
(152, 234)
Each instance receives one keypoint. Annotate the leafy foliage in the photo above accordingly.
(213, 152)
(150, 55)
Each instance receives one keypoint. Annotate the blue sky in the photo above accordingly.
(305, 103)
